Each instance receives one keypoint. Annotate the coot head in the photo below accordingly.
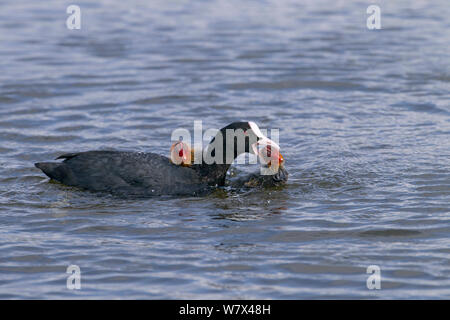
(233, 140)
(181, 154)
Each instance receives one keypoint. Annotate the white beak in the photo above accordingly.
(263, 140)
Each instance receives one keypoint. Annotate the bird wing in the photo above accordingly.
(127, 172)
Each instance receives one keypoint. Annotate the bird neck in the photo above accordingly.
(219, 156)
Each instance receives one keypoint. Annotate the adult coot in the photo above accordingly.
(136, 173)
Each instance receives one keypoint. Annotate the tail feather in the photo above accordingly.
(56, 171)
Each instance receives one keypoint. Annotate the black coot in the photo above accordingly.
(136, 173)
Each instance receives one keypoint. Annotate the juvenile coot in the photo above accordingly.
(182, 154)
(136, 173)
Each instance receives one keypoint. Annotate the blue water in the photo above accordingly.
(364, 120)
